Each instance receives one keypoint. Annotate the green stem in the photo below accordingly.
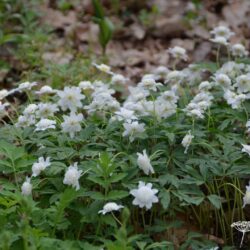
(230, 184)
(143, 218)
(116, 219)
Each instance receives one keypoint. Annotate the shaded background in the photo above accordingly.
(55, 41)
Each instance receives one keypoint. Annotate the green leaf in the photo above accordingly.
(97, 180)
(117, 194)
(169, 179)
(165, 198)
(170, 136)
(99, 12)
(96, 195)
(116, 177)
(215, 200)
(189, 196)
(106, 31)
(11, 151)
(162, 245)
(210, 66)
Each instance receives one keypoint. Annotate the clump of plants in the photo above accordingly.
(88, 167)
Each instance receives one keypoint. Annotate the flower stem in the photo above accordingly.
(143, 218)
(116, 219)
(242, 239)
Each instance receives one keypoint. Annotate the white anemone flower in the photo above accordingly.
(3, 108)
(194, 110)
(118, 79)
(144, 164)
(72, 176)
(109, 207)
(220, 40)
(175, 77)
(30, 109)
(3, 93)
(161, 72)
(233, 99)
(222, 31)
(26, 187)
(248, 126)
(45, 90)
(144, 195)
(72, 124)
(148, 82)
(186, 141)
(205, 85)
(168, 96)
(238, 50)
(137, 93)
(70, 98)
(25, 121)
(26, 86)
(45, 124)
(46, 110)
(104, 68)
(246, 198)
(223, 80)
(246, 149)
(125, 115)
(133, 129)
(243, 83)
(178, 53)
(87, 87)
(40, 165)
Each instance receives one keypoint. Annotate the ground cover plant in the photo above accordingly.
(91, 167)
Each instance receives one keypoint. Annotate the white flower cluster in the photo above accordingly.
(71, 177)
(234, 79)
(37, 168)
(199, 104)
(156, 95)
(102, 100)
(221, 36)
(140, 103)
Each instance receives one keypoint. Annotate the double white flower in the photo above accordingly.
(26, 187)
(45, 124)
(144, 195)
(144, 164)
(178, 53)
(109, 207)
(72, 176)
(70, 98)
(40, 165)
(246, 198)
(246, 149)
(133, 129)
(186, 141)
(72, 124)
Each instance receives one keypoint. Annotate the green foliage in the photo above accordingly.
(147, 17)
(201, 187)
(106, 27)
